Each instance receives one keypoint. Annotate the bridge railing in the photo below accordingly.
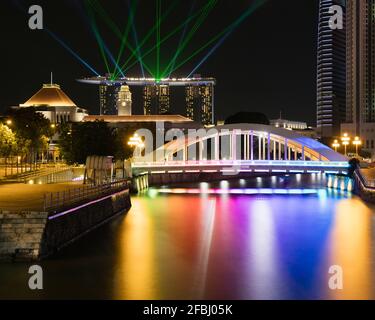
(366, 182)
(285, 163)
(55, 200)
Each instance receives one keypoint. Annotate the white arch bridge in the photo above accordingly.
(239, 148)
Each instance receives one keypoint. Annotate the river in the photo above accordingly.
(234, 239)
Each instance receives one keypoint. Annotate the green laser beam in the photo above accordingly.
(126, 32)
(230, 28)
(158, 30)
(146, 38)
(98, 39)
(183, 33)
(126, 66)
(190, 35)
(104, 15)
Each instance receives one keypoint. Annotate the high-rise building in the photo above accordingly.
(124, 101)
(199, 103)
(156, 99)
(331, 72)
(156, 96)
(360, 107)
(108, 99)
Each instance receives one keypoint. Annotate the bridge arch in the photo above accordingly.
(245, 142)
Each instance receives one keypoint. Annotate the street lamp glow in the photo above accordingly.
(135, 141)
(9, 122)
(357, 142)
(345, 141)
(336, 145)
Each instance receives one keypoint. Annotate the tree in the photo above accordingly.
(123, 150)
(7, 141)
(32, 130)
(87, 139)
(248, 117)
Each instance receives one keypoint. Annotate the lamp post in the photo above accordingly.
(357, 142)
(345, 141)
(136, 141)
(50, 142)
(336, 145)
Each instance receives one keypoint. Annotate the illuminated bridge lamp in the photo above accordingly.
(136, 142)
(357, 142)
(9, 122)
(345, 141)
(336, 145)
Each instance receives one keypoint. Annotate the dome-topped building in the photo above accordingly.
(55, 105)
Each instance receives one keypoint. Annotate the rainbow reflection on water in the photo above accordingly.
(219, 246)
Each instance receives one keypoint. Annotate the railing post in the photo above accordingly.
(303, 153)
(252, 145)
(234, 145)
(217, 147)
(286, 150)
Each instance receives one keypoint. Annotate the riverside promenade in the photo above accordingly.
(29, 197)
(36, 220)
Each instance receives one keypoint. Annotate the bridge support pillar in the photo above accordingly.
(252, 145)
(233, 145)
(269, 147)
(274, 150)
(201, 149)
(217, 147)
(303, 153)
(264, 148)
(286, 150)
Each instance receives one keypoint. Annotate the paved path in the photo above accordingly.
(26, 197)
(369, 173)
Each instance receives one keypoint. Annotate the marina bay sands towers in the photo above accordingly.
(346, 71)
(116, 98)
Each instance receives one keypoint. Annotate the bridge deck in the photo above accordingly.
(240, 166)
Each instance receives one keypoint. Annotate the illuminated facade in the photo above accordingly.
(156, 95)
(199, 103)
(360, 107)
(108, 99)
(156, 99)
(55, 105)
(124, 101)
(331, 73)
(288, 124)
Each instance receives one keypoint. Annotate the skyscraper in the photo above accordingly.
(124, 101)
(108, 99)
(331, 72)
(199, 103)
(156, 99)
(360, 107)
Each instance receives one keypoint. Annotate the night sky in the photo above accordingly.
(267, 64)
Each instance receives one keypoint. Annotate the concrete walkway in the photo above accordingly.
(369, 173)
(26, 197)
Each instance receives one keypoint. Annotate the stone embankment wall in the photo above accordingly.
(365, 192)
(35, 235)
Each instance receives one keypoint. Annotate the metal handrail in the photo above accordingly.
(367, 183)
(56, 200)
